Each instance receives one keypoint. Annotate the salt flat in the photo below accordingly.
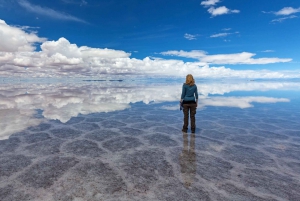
(137, 150)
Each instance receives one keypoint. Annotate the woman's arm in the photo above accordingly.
(182, 93)
(196, 92)
(196, 95)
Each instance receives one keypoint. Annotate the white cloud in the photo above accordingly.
(221, 11)
(15, 39)
(237, 58)
(267, 51)
(284, 18)
(190, 36)
(234, 11)
(63, 59)
(48, 12)
(287, 11)
(226, 29)
(195, 54)
(240, 58)
(220, 35)
(210, 2)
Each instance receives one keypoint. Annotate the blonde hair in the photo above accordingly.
(190, 80)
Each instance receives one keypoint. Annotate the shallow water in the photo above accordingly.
(123, 141)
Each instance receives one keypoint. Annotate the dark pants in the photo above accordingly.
(189, 108)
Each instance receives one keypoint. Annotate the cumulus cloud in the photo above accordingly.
(287, 11)
(190, 36)
(237, 58)
(221, 11)
(48, 12)
(63, 59)
(16, 39)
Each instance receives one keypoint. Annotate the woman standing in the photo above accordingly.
(189, 99)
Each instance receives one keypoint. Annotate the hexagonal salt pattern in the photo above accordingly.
(44, 173)
(9, 145)
(121, 144)
(93, 180)
(83, 148)
(141, 154)
(9, 164)
(9, 193)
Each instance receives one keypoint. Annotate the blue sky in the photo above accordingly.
(230, 34)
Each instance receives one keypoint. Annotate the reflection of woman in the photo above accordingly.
(189, 99)
(188, 160)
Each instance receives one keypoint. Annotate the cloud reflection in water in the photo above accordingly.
(20, 104)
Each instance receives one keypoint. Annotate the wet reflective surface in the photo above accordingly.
(123, 141)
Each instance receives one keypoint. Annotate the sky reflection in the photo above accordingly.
(20, 104)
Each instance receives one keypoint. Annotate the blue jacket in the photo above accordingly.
(189, 93)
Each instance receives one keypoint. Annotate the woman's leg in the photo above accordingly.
(186, 118)
(193, 113)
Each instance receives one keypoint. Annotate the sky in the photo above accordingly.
(114, 38)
